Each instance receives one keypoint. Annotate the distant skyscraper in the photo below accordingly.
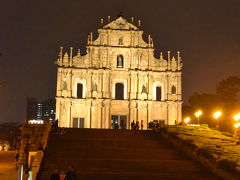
(40, 110)
(31, 108)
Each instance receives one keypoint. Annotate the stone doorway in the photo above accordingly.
(78, 122)
(119, 122)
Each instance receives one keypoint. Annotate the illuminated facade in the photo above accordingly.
(118, 80)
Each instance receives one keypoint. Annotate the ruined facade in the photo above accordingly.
(118, 80)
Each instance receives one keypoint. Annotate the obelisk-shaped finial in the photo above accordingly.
(161, 56)
(91, 37)
(61, 56)
(169, 60)
(132, 18)
(71, 49)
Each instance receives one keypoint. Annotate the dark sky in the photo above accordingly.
(207, 32)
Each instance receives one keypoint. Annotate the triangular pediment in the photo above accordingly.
(120, 23)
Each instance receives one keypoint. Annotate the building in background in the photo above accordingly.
(40, 110)
(119, 80)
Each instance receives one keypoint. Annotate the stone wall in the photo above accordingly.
(33, 139)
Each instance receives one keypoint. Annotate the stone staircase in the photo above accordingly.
(118, 154)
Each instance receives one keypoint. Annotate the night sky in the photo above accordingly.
(206, 32)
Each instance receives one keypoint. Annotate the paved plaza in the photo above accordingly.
(8, 170)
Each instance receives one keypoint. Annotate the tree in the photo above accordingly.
(229, 88)
(207, 103)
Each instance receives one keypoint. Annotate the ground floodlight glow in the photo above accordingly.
(186, 120)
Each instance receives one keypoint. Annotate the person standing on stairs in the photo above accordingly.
(55, 175)
(71, 174)
(137, 125)
(62, 175)
(141, 124)
(133, 125)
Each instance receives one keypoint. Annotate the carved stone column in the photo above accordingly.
(58, 106)
(179, 86)
(59, 80)
(99, 117)
(106, 110)
(89, 84)
(132, 112)
(89, 118)
(149, 113)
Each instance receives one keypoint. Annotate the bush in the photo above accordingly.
(206, 152)
(189, 143)
(227, 164)
(175, 136)
(227, 134)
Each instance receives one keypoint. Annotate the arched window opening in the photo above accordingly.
(158, 93)
(79, 91)
(120, 61)
(174, 89)
(119, 91)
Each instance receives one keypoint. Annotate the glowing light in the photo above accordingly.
(198, 113)
(35, 121)
(187, 119)
(217, 114)
(236, 117)
(237, 125)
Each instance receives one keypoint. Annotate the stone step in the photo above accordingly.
(118, 154)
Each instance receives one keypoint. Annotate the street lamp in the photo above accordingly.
(187, 119)
(236, 125)
(236, 117)
(216, 115)
(197, 114)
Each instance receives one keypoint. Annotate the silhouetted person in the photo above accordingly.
(133, 125)
(55, 175)
(17, 156)
(116, 126)
(141, 124)
(137, 125)
(71, 174)
(150, 125)
(56, 124)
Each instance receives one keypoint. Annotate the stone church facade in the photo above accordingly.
(118, 80)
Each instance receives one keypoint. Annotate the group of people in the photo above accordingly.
(71, 175)
(157, 125)
(136, 126)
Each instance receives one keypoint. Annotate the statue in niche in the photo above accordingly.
(120, 41)
(120, 61)
(94, 88)
(64, 85)
(144, 89)
(174, 89)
